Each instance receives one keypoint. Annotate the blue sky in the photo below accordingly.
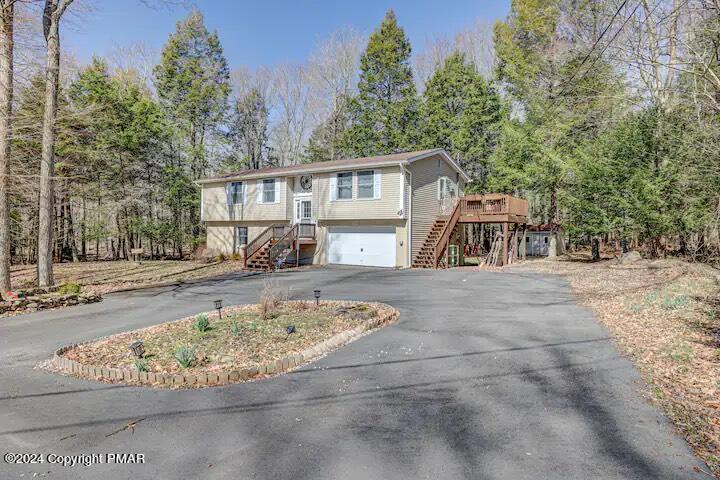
(266, 32)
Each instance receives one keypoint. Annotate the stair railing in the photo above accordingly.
(271, 232)
(285, 242)
(444, 238)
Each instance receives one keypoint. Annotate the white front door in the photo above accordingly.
(367, 245)
(303, 210)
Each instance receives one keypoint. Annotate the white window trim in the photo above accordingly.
(377, 185)
(260, 185)
(334, 187)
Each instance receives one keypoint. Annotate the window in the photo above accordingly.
(236, 193)
(366, 183)
(446, 188)
(344, 186)
(241, 234)
(268, 191)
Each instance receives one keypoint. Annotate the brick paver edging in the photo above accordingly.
(98, 372)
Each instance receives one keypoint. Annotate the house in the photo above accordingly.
(376, 211)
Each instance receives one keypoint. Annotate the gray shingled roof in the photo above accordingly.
(379, 160)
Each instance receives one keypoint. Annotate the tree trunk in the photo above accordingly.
(51, 19)
(595, 249)
(6, 94)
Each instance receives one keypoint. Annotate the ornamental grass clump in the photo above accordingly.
(202, 324)
(185, 356)
(235, 328)
(141, 365)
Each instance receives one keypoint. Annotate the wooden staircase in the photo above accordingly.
(261, 259)
(425, 258)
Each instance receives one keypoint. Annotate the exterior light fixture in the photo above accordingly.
(138, 348)
(218, 307)
(317, 297)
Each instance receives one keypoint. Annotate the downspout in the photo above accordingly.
(408, 214)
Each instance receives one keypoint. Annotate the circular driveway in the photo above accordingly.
(485, 375)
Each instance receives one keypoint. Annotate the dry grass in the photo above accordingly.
(663, 314)
(104, 277)
(240, 339)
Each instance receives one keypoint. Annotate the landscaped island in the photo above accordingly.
(246, 342)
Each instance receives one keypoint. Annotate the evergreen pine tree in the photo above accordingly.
(461, 113)
(385, 110)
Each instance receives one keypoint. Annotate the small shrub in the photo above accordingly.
(235, 328)
(636, 308)
(675, 303)
(651, 298)
(271, 298)
(236, 257)
(202, 324)
(69, 288)
(185, 356)
(221, 257)
(141, 365)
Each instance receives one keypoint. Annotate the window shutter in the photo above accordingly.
(260, 191)
(377, 182)
(228, 194)
(279, 187)
(333, 187)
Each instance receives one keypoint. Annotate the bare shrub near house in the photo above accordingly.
(271, 298)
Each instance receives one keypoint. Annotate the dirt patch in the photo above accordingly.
(665, 316)
(242, 338)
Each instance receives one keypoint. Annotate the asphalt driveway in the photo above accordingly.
(485, 375)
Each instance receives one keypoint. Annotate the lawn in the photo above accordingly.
(664, 315)
(104, 277)
(244, 337)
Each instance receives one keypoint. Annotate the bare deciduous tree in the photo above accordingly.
(7, 10)
(52, 13)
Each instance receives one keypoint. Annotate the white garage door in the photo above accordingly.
(371, 246)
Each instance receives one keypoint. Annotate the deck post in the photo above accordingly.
(523, 242)
(504, 256)
(461, 252)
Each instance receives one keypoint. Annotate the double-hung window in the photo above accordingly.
(269, 190)
(366, 184)
(241, 234)
(344, 186)
(236, 193)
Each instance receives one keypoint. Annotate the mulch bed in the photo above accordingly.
(242, 338)
(665, 316)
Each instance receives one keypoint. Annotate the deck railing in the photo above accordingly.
(306, 230)
(493, 204)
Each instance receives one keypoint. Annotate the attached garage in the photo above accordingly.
(361, 245)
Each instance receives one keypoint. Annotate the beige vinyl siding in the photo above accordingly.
(385, 207)
(215, 207)
(425, 206)
(220, 235)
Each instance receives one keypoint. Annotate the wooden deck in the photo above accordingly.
(493, 208)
